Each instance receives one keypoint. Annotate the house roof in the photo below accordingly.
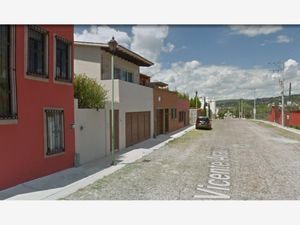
(121, 52)
(144, 75)
(159, 84)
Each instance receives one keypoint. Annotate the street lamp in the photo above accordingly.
(112, 47)
(196, 100)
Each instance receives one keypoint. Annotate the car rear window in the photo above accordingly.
(203, 119)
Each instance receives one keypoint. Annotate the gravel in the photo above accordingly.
(264, 164)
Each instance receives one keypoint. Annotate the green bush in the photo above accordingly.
(89, 93)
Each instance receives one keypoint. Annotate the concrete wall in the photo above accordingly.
(129, 97)
(193, 113)
(90, 133)
(87, 60)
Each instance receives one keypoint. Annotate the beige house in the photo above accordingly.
(133, 102)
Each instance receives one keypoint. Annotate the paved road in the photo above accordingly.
(238, 159)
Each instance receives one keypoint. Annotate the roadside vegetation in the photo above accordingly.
(280, 131)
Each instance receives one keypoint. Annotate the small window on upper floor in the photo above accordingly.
(63, 62)
(37, 48)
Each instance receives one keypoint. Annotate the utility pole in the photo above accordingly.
(240, 109)
(196, 100)
(254, 106)
(280, 69)
(281, 83)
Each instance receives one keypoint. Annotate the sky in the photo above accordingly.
(224, 62)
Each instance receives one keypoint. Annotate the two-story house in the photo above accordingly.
(133, 102)
(36, 102)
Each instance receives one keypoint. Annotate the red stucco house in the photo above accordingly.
(36, 102)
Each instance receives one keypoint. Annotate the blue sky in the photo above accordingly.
(208, 55)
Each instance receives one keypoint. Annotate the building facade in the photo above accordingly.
(170, 112)
(133, 102)
(36, 102)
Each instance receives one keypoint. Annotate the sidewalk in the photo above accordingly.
(63, 183)
(293, 130)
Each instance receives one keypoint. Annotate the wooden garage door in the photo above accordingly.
(137, 127)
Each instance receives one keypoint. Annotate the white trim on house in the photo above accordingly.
(119, 48)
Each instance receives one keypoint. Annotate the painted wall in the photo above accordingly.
(294, 118)
(129, 97)
(90, 133)
(164, 99)
(183, 105)
(87, 60)
(22, 153)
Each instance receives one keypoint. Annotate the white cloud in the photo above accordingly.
(149, 41)
(219, 81)
(168, 48)
(225, 82)
(103, 34)
(283, 39)
(254, 30)
(291, 68)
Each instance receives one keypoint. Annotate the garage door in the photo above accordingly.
(137, 127)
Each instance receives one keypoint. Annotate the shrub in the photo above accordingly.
(89, 93)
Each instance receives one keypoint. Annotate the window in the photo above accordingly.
(173, 113)
(181, 116)
(62, 61)
(123, 75)
(130, 77)
(117, 73)
(37, 55)
(54, 131)
(7, 82)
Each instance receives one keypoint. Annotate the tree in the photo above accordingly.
(193, 102)
(89, 93)
(182, 95)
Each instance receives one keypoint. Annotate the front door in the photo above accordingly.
(166, 120)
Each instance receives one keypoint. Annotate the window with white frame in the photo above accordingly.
(7, 76)
(37, 51)
(54, 131)
(63, 60)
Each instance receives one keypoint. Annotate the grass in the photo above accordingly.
(295, 127)
(188, 137)
(280, 131)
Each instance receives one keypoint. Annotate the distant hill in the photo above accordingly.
(259, 101)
